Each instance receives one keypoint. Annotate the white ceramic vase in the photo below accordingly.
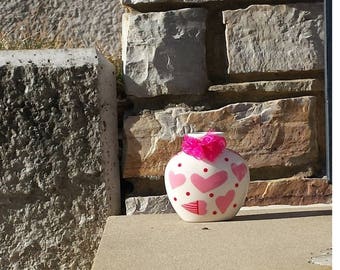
(200, 190)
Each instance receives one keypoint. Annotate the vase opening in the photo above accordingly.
(201, 134)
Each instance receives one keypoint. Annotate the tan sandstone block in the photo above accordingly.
(290, 191)
(277, 138)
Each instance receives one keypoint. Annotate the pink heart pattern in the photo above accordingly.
(196, 207)
(176, 180)
(210, 183)
(223, 202)
(239, 170)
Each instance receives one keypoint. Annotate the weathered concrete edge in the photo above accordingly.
(109, 134)
(320, 206)
(50, 57)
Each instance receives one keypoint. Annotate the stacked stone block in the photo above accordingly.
(59, 174)
(164, 53)
(266, 39)
(273, 134)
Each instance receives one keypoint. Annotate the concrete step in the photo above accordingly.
(269, 237)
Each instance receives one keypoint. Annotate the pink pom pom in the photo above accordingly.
(208, 147)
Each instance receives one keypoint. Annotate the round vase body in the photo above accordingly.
(200, 190)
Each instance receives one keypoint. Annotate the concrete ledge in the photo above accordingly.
(275, 237)
(50, 57)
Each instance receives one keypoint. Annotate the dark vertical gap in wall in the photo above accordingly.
(216, 47)
(328, 92)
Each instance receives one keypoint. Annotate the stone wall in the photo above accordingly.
(254, 70)
(59, 174)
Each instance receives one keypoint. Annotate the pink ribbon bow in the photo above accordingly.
(208, 147)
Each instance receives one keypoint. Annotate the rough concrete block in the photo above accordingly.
(82, 23)
(274, 38)
(164, 52)
(277, 138)
(59, 176)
